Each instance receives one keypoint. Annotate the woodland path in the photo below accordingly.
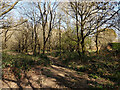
(53, 76)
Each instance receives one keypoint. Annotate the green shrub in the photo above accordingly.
(44, 60)
(83, 68)
(116, 46)
(7, 60)
(93, 76)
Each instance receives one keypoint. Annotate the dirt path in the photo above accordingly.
(54, 76)
(49, 77)
(45, 77)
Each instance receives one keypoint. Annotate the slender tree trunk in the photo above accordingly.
(34, 52)
(23, 44)
(26, 44)
(5, 40)
(44, 48)
(38, 48)
(49, 45)
(77, 28)
(5, 46)
(44, 40)
(35, 45)
(19, 46)
(32, 40)
(96, 41)
(82, 36)
(83, 47)
(60, 37)
(82, 42)
(78, 48)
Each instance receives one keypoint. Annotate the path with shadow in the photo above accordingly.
(46, 77)
(65, 77)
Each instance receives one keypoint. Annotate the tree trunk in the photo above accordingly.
(19, 47)
(77, 28)
(34, 51)
(96, 41)
(60, 38)
(32, 40)
(35, 45)
(23, 44)
(38, 48)
(44, 40)
(82, 36)
(83, 47)
(26, 44)
(5, 45)
(44, 48)
(78, 48)
(49, 45)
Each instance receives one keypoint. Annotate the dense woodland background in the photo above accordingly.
(68, 44)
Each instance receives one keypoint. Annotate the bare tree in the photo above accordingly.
(48, 15)
(5, 7)
(23, 38)
(33, 18)
(89, 17)
(60, 17)
(9, 27)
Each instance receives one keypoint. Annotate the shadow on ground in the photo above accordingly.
(47, 77)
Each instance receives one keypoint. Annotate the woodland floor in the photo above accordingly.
(45, 77)
(53, 76)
